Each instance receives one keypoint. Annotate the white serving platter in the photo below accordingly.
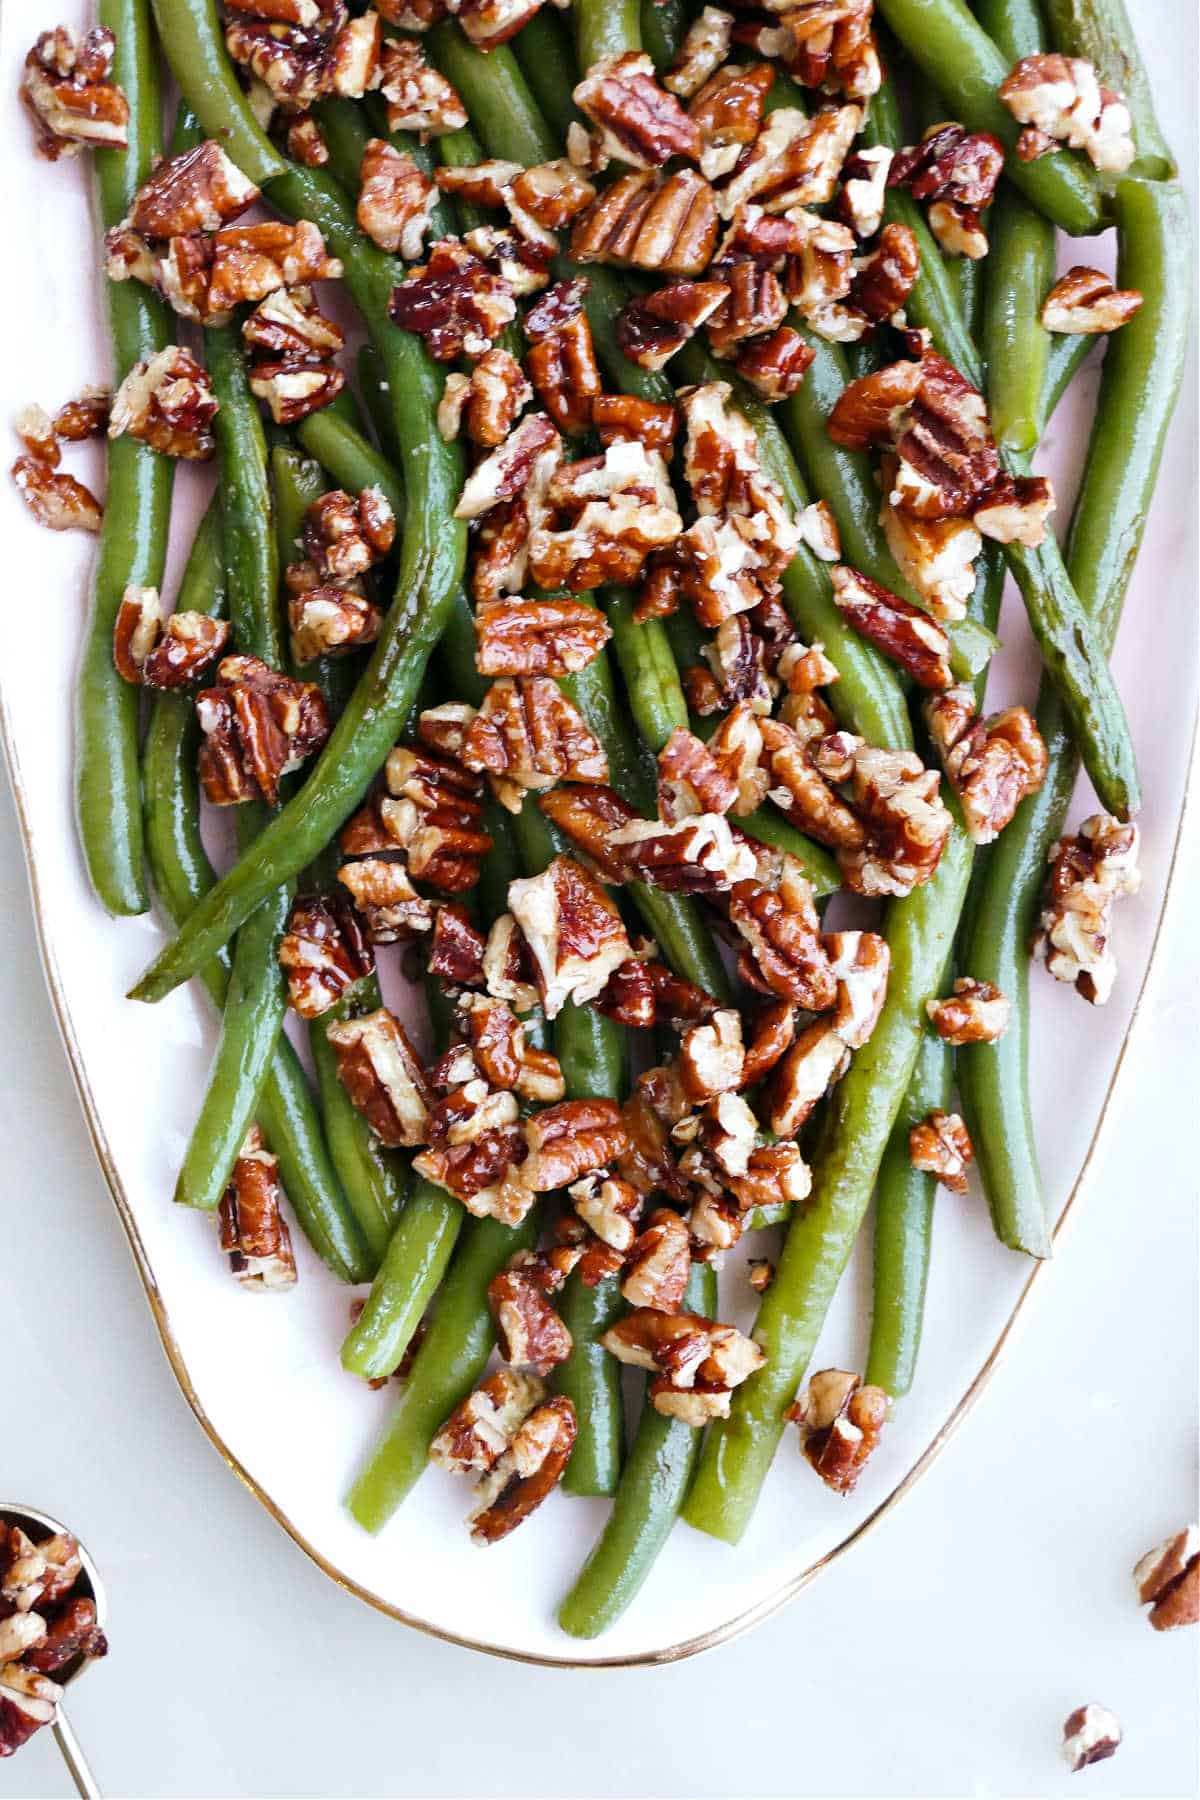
(262, 1374)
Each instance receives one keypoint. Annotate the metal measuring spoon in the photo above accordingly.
(37, 1526)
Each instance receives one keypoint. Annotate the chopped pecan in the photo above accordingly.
(298, 62)
(610, 1208)
(324, 951)
(66, 87)
(72, 1633)
(611, 512)
(991, 764)
(760, 1273)
(617, 417)
(528, 734)
(538, 637)
(254, 1233)
(1167, 1579)
(251, 261)
(391, 909)
(258, 727)
(526, 1473)
(815, 1061)
(345, 535)
(867, 411)
(736, 671)
(476, 1152)
(546, 197)
(705, 46)
(645, 992)
(941, 1145)
(727, 479)
(937, 556)
(833, 47)
(167, 403)
(775, 365)
(754, 305)
(588, 816)
(456, 948)
(697, 855)
(292, 391)
(454, 301)
(27, 1702)
(658, 1263)
(640, 223)
(947, 456)
(727, 112)
(976, 1013)
(776, 1175)
(695, 1359)
(1091, 1734)
(957, 171)
(1084, 301)
(200, 190)
(902, 631)
(906, 821)
(501, 1053)
(571, 1140)
(304, 142)
(821, 277)
(1016, 510)
(711, 1057)
(488, 400)
(800, 791)
(803, 668)
(573, 931)
(435, 814)
(329, 619)
(509, 972)
(639, 123)
(563, 369)
(691, 780)
(864, 189)
(1061, 100)
(55, 499)
(884, 279)
(840, 1422)
(794, 161)
(529, 1332)
(481, 1428)
(781, 932)
(652, 327)
(288, 326)
(418, 98)
(555, 308)
(861, 962)
(380, 1071)
(1087, 874)
(508, 469)
(395, 200)
(772, 1031)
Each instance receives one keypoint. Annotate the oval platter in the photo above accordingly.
(262, 1376)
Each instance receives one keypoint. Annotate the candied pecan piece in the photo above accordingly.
(190, 642)
(775, 365)
(391, 909)
(866, 410)
(794, 161)
(528, 734)
(200, 190)
(395, 199)
(27, 1702)
(489, 399)
(529, 1332)
(992, 764)
(380, 1071)
(528, 1471)
(292, 391)
(884, 280)
(72, 1633)
(55, 499)
(941, 1145)
(1061, 100)
(776, 1175)
(659, 1262)
(66, 87)
(902, 631)
(254, 1232)
(589, 816)
(508, 469)
(418, 97)
(571, 1140)
(696, 1360)
(711, 1057)
(754, 305)
(1087, 874)
(833, 46)
(167, 403)
(538, 637)
(330, 619)
(434, 812)
(705, 46)
(802, 794)
(456, 948)
(1084, 301)
(623, 416)
(509, 971)
(863, 192)
(840, 1422)
(454, 301)
(563, 369)
(809, 1069)
(345, 535)
(1167, 1579)
(324, 951)
(1091, 1734)
(772, 1032)
(947, 456)
(289, 327)
(639, 123)
(782, 936)
(573, 932)
(976, 1013)
(501, 1053)
(691, 780)
(646, 992)
(640, 223)
(956, 171)
(861, 962)
(727, 112)
(476, 1152)
(304, 142)
(481, 1428)
(251, 261)
(652, 327)
(906, 821)
(1015, 510)
(699, 854)
(611, 511)
(258, 726)
(937, 556)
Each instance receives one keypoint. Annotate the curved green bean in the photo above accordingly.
(1015, 343)
(545, 53)
(133, 536)
(409, 1275)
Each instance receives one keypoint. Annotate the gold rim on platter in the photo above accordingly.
(719, 1634)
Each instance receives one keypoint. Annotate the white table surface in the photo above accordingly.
(939, 1658)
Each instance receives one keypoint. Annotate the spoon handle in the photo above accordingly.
(76, 1761)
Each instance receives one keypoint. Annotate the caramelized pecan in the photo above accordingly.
(1087, 874)
(976, 1013)
(902, 631)
(528, 734)
(418, 97)
(640, 223)
(573, 932)
(527, 1472)
(391, 909)
(538, 637)
(782, 936)
(254, 1232)
(324, 951)
(395, 199)
(454, 301)
(940, 1145)
(652, 327)
(380, 1071)
(841, 1422)
(639, 122)
(167, 403)
(530, 1335)
(65, 85)
(1084, 301)
(258, 726)
(992, 764)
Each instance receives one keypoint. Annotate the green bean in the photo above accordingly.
(647, 668)
(662, 24)
(844, 478)
(181, 873)
(1020, 273)
(414, 1262)
(1066, 355)
(861, 1112)
(353, 462)
(495, 94)
(606, 28)
(373, 386)
(958, 57)
(450, 1361)
(1100, 30)
(655, 1480)
(546, 55)
(257, 998)
(133, 536)
(1142, 371)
